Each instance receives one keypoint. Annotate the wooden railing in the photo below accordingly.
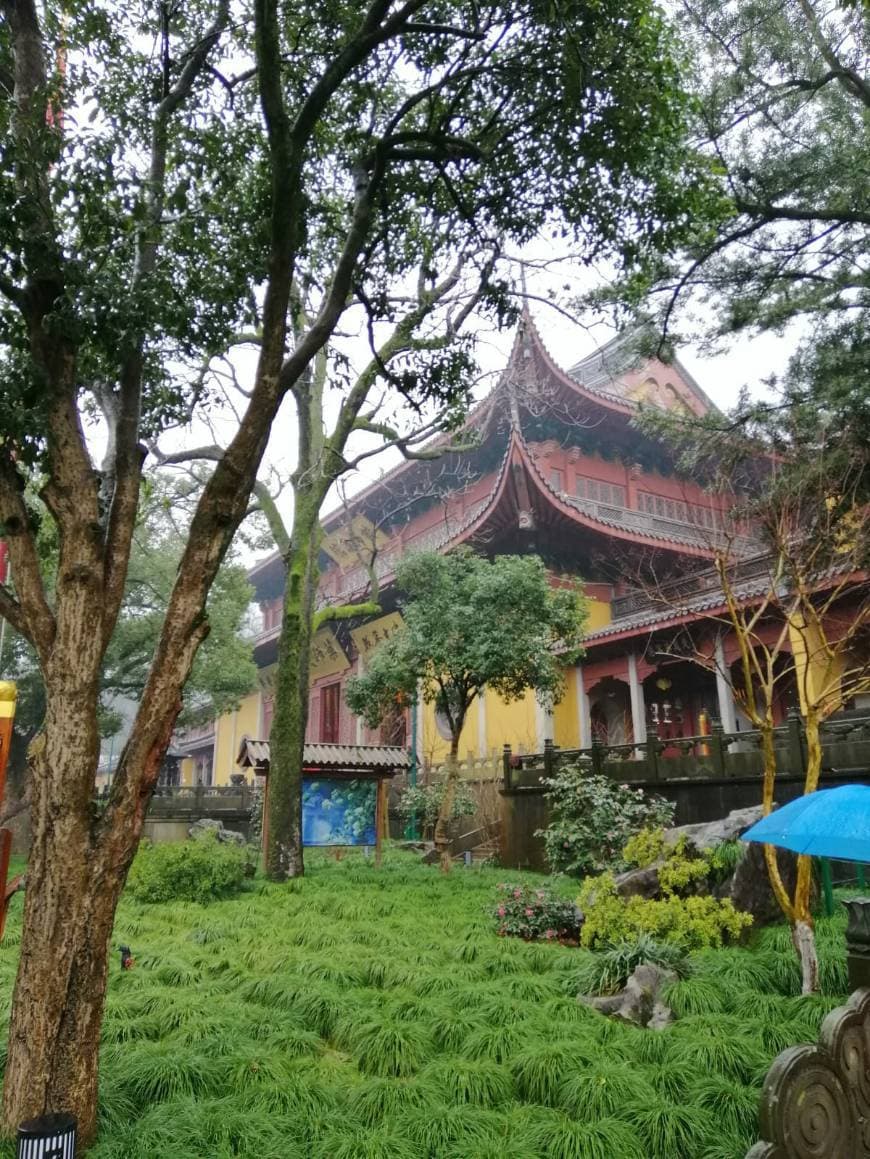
(721, 755)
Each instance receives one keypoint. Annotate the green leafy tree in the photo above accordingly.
(783, 99)
(470, 623)
(157, 207)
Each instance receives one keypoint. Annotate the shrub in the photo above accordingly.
(609, 971)
(592, 819)
(202, 870)
(692, 922)
(423, 802)
(523, 912)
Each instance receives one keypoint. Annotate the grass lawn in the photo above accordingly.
(374, 1014)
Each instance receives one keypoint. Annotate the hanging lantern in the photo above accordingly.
(48, 1137)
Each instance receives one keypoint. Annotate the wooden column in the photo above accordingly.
(8, 695)
(638, 708)
(724, 691)
(584, 714)
(380, 818)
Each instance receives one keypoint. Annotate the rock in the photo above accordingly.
(639, 882)
(640, 1003)
(211, 825)
(749, 887)
(707, 834)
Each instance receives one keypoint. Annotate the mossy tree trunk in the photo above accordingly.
(284, 856)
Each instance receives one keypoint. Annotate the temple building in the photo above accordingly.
(561, 468)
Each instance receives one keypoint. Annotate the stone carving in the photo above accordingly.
(640, 1003)
(816, 1099)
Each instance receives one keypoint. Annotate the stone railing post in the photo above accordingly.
(858, 941)
(506, 766)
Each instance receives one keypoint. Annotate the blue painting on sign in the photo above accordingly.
(338, 812)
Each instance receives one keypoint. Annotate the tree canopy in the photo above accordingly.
(177, 179)
(471, 623)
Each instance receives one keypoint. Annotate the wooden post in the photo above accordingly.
(597, 757)
(548, 758)
(795, 743)
(8, 695)
(380, 813)
(717, 747)
(264, 825)
(506, 766)
(827, 886)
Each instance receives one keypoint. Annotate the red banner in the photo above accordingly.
(4, 561)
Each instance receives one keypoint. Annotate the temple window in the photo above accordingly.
(600, 492)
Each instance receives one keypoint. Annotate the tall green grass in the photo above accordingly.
(374, 1014)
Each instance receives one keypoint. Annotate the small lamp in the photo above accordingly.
(48, 1137)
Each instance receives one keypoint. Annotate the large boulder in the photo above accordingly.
(211, 825)
(640, 882)
(749, 886)
(708, 834)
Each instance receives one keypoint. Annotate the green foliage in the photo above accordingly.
(691, 922)
(423, 802)
(609, 970)
(471, 623)
(256, 1039)
(592, 818)
(644, 847)
(202, 869)
(535, 913)
(723, 860)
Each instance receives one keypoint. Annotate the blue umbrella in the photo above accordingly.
(828, 823)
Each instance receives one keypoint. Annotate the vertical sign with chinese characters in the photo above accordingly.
(367, 638)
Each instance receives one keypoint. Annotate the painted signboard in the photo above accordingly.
(338, 812)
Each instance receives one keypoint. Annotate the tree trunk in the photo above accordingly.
(284, 856)
(804, 939)
(442, 838)
(69, 910)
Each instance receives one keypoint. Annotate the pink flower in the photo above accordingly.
(501, 911)
(539, 893)
(529, 913)
(518, 893)
(549, 933)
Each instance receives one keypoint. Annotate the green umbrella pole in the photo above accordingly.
(827, 886)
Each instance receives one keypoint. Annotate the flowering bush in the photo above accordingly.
(592, 818)
(523, 912)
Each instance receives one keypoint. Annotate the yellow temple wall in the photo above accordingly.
(231, 727)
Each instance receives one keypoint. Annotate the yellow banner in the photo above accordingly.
(352, 544)
(370, 635)
(327, 658)
(8, 693)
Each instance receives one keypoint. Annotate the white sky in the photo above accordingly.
(745, 362)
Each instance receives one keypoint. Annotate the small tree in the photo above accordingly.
(802, 620)
(469, 624)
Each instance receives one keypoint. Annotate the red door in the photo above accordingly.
(330, 701)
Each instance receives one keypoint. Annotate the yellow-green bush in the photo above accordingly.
(693, 922)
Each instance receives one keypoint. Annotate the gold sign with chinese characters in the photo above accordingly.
(327, 657)
(353, 544)
(370, 635)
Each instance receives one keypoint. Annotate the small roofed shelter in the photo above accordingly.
(331, 774)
